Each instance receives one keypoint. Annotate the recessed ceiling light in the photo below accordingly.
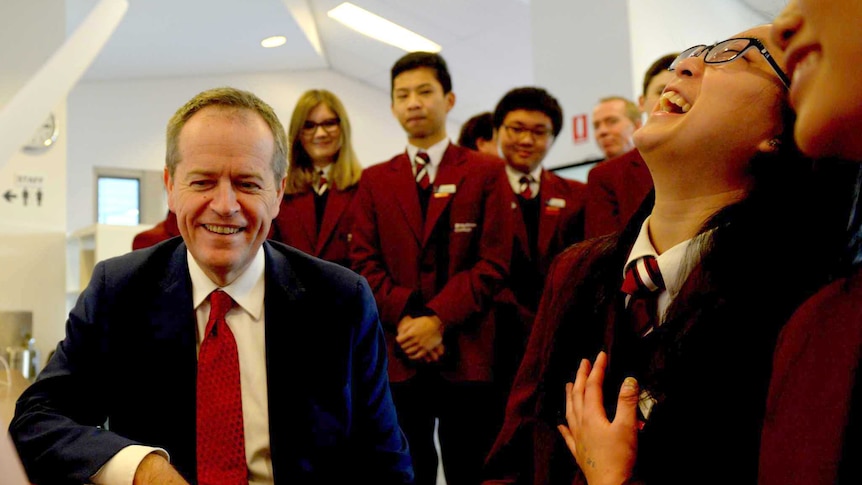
(379, 28)
(274, 41)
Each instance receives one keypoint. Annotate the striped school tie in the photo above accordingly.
(422, 160)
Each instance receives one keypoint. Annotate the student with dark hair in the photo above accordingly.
(813, 428)
(428, 237)
(323, 173)
(616, 187)
(548, 214)
(687, 301)
(479, 134)
(656, 78)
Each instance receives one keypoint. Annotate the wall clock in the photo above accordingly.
(44, 137)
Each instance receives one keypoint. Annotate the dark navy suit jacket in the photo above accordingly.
(129, 359)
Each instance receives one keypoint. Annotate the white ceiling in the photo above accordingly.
(484, 41)
(487, 43)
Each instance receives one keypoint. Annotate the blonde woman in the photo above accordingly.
(322, 177)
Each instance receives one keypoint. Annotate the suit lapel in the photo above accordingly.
(306, 218)
(407, 194)
(549, 218)
(173, 319)
(520, 227)
(448, 173)
(285, 314)
(335, 204)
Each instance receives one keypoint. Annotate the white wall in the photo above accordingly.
(32, 236)
(122, 124)
(658, 27)
(583, 51)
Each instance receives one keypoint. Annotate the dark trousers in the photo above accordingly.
(469, 418)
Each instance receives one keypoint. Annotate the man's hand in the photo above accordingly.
(421, 338)
(604, 450)
(155, 469)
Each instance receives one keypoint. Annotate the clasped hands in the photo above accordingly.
(421, 338)
(605, 450)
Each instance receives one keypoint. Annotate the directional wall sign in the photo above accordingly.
(27, 191)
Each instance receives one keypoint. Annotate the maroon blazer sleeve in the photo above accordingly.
(814, 389)
(602, 214)
(615, 190)
(525, 443)
(366, 253)
(470, 292)
(162, 231)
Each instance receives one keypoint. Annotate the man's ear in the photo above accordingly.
(450, 101)
(169, 187)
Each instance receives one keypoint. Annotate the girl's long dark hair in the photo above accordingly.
(760, 258)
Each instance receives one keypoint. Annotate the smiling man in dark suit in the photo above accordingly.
(429, 237)
(285, 380)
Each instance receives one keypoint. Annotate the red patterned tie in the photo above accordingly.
(643, 283)
(322, 183)
(422, 160)
(526, 186)
(220, 438)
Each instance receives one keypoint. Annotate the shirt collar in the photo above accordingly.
(675, 264)
(435, 152)
(515, 178)
(246, 290)
(325, 169)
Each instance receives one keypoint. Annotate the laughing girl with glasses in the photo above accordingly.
(734, 210)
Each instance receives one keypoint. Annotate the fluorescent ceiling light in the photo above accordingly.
(274, 41)
(379, 28)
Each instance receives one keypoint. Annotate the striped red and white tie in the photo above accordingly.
(422, 179)
(642, 285)
(526, 188)
(322, 184)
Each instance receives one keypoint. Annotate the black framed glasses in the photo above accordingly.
(329, 126)
(729, 50)
(539, 132)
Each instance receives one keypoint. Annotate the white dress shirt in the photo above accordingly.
(246, 321)
(515, 179)
(675, 264)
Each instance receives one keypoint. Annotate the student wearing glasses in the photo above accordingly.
(813, 428)
(687, 301)
(548, 213)
(322, 177)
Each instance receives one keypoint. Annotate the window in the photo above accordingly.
(125, 196)
(119, 200)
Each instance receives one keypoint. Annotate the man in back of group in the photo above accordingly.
(616, 187)
(174, 355)
(615, 119)
(428, 237)
(548, 215)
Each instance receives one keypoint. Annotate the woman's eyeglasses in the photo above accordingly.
(730, 50)
(329, 126)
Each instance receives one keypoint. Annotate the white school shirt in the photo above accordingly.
(672, 264)
(435, 153)
(515, 179)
